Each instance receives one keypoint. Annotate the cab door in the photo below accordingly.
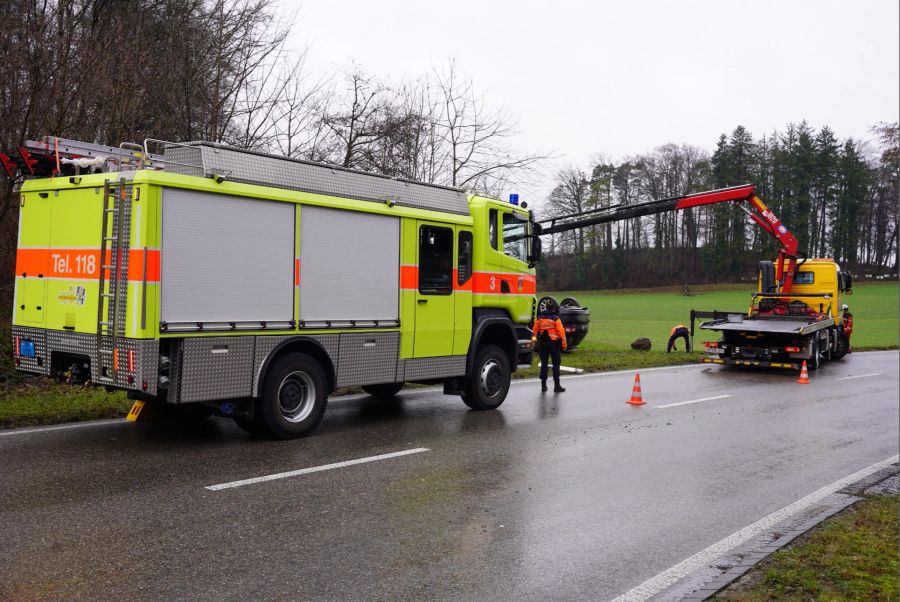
(435, 317)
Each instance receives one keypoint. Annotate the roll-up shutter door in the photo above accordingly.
(349, 265)
(226, 259)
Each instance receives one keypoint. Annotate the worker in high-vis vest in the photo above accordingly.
(677, 332)
(847, 324)
(551, 338)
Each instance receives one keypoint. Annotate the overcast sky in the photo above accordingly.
(617, 78)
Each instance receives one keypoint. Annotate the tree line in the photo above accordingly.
(838, 197)
(109, 71)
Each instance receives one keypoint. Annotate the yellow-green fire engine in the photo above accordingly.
(217, 280)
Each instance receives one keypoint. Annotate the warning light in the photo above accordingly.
(514, 199)
(792, 349)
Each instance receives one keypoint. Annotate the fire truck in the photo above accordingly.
(205, 279)
(794, 316)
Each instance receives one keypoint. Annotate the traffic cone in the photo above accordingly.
(636, 399)
(804, 375)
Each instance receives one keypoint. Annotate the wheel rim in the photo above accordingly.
(296, 396)
(491, 378)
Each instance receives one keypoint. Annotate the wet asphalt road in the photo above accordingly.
(571, 497)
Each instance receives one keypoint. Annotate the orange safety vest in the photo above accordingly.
(553, 327)
(676, 328)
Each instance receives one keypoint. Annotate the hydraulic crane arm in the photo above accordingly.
(742, 196)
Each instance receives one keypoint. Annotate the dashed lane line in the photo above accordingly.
(654, 585)
(860, 376)
(684, 403)
(312, 469)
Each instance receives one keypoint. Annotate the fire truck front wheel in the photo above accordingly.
(488, 384)
(294, 396)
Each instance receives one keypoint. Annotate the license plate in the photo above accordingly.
(26, 348)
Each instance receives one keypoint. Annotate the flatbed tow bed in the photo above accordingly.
(768, 326)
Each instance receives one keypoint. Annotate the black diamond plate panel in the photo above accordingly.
(265, 345)
(216, 368)
(368, 358)
(30, 364)
(433, 367)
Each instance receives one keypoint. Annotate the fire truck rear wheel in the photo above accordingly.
(294, 397)
(488, 384)
(383, 391)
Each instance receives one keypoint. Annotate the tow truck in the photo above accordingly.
(794, 316)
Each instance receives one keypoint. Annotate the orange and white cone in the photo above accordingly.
(804, 375)
(636, 399)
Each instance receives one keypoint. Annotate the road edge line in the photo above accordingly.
(669, 577)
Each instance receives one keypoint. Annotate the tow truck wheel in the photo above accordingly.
(488, 384)
(841, 346)
(294, 397)
(814, 359)
(383, 391)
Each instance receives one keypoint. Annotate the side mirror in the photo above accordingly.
(534, 250)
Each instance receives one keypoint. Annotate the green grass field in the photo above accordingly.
(849, 557)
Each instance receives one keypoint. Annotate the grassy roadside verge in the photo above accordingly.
(618, 317)
(852, 556)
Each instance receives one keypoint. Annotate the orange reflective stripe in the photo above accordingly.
(83, 264)
(296, 272)
(485, 283)
(136, 265)
(409, 277)
(491, 283)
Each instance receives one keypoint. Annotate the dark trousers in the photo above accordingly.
(680, 333)
(550, 349)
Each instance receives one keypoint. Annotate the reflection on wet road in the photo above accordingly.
(577, 496)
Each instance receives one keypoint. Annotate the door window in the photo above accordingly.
(492, 229)
(435, 260)
(464, 258)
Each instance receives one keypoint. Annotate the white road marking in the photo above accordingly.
(302, 471)
(860, 376)
(684, 403)
(653, 586)
(59, 427)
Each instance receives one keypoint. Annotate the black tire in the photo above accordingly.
(383, 391)
(544, 304)
(488, 384)
(293, 398)
(570, 303)
(841, 346)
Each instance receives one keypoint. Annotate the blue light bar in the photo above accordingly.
(514, 199)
